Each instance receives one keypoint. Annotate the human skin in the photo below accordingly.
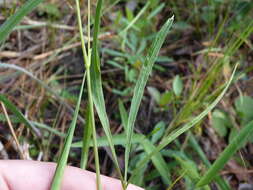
(33, 175)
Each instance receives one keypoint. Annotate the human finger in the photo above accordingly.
(30, 175)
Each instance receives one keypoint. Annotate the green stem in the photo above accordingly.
(89, 8)
(87, 62)
(95, 147)
(87, 134)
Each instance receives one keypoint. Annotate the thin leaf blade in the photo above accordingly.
(157, 160)
(167, 140)
(86, 138)
(96, 86)
(12, 21)
(141, 83)
(62, 162)
(231, 149)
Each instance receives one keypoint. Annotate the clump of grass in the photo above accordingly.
(90, 116)
(95, 91)
(183, 129)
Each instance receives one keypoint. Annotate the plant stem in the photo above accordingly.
(89, 8)
(95, 145)
(87, 62)
(21, 153)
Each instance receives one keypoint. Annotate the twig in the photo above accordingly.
(13, 132)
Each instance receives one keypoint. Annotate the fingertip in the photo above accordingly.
(134, 187)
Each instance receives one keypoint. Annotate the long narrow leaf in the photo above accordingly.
(167, 140)
(141, 83)
(119, 139)
(135, 18)
(123, 114)
(86, 138)
(62, 162)
(157, 160)
(231, 149)
(147, 145)
(15, 19)
(218, 179)
(96, 86)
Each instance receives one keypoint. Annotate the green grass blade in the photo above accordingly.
(218, 179)
(15, 19)
(78, 12)
(86, 138)
(87, 63)
(95, 67)
(135, 18)
(148, 147)
(10, 106)
(141, 83)
(123, 114)
(189, 167)
(231, 149)
(49, 129)
(119, 139)
(96, 86)
(167, 140)
(157, 160)
(62, 162)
